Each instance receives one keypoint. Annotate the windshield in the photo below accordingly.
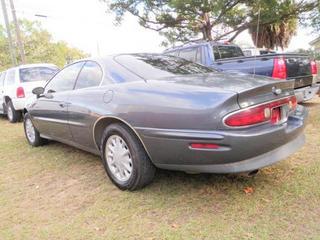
(153, 66)
(34, 74)
(227, 51)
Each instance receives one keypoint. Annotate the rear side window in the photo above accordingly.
(34, 74)
(189, 54)
(10, 77)
(90, 75)
(229, 51)
(150, 66)
(65, 79)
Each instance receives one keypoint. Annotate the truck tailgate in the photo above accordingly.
(299, 69)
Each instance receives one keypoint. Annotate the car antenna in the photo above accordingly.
(256, 43)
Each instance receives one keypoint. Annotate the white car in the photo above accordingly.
(16, 85)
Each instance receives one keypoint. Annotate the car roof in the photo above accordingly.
(200, 43)
(34, 65)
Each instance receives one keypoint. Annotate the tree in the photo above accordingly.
(313, 18)
(184, 20)
(39, 47)
(310, 52)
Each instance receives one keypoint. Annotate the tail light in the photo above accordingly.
(314, 68)
(279, 68)
(20, 92)
(262, 113)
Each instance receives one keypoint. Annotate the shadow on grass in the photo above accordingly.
(173, 183)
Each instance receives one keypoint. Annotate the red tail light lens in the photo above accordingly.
(20, 92)
(268, 112)
(249, 117)
(279, 68)
(204, 145)
(314, 68)
(276, 115)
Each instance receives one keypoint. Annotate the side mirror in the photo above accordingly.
(38, 91)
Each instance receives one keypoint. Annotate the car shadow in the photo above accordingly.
(167, 184)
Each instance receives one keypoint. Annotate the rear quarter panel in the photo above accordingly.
(178, 107)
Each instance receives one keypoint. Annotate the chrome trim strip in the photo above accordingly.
(180, 133)
(59, 121)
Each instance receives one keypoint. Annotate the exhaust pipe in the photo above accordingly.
(249, 174)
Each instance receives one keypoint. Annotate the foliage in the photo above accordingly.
(184, 20)
(315, 55)
(38, 46)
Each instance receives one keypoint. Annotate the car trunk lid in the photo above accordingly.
(250, 89)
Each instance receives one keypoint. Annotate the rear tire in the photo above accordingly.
(31, 133)
(125, 159)
(12, 114)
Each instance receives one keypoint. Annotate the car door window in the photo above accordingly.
(90, 75)
(216, 53)
(230, 51)
(10, 77)
(189, 54)
(65, 79)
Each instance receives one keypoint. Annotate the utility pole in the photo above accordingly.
(18, 33)
(6, 20)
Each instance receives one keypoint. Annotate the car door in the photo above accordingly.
(2, 77)
(82, 103)
(50, 111)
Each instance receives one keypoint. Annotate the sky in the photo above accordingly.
(87, 25)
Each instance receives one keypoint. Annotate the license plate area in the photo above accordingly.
(280, 114)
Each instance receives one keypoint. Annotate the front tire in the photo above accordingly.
(125, 159)
(32, 134)
(12, 114)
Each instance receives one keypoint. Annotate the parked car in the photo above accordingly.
(140, 112)
(2, 77)
(17, 84)
(229, 57)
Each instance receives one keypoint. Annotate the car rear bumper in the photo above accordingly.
(19, 103)
(240, 150)
(306, 93)
(247, 165)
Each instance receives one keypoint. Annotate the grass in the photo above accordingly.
(58, 192)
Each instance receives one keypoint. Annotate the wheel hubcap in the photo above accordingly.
(118, 158)
(30, 130)
(9, 112)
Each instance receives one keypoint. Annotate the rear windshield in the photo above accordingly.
(34, 74)
(227, 51)
(152, 66)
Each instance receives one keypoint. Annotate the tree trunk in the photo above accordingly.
(206, 27)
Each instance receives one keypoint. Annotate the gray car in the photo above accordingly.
(140, 112)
